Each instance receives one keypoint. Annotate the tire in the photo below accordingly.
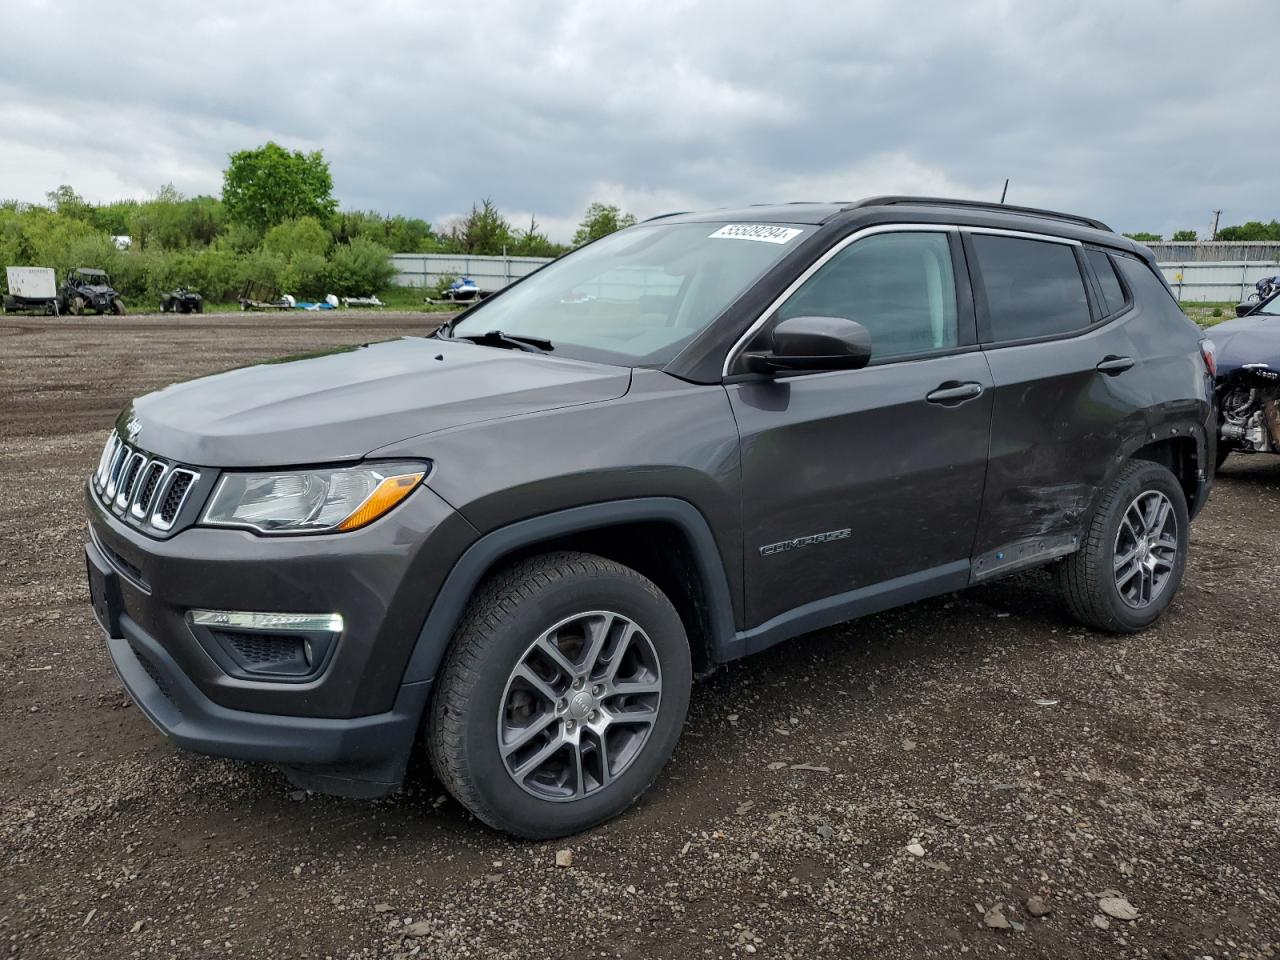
(77, 306)
(1089, 579)
(478, 695)
(117, 307)
(199, 307)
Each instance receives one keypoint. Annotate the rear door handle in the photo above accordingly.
(1113, 365)
(951, 393)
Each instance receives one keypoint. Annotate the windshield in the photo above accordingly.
(638, 296)
(1269, 309)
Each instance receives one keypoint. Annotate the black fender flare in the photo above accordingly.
(1204, 435)
(447, 609)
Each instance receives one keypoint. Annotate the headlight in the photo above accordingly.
(311, 501)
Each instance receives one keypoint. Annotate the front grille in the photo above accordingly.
(173, 497)
(151, 491)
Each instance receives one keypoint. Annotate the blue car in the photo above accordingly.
(1248, 378)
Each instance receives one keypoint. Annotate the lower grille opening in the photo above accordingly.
(156, 676)
(268, 653)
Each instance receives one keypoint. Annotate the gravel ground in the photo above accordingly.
(919, 783)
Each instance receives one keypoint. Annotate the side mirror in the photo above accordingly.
(1243, 308)
(814, 343)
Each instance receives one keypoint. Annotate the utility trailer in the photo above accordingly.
(263, 296)
(32, 289)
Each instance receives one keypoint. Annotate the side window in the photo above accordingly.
(899, 286)
(1033, 288)
(1112, 290)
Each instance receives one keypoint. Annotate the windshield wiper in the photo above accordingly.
(496, 338)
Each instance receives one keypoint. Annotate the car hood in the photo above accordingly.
(1246, 340)
(344, 403)
(94, 290)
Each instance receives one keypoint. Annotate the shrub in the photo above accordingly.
(305, 276)
(304, 235)
(359, 268)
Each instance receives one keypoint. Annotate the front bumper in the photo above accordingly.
(360, 756)
(350, 728)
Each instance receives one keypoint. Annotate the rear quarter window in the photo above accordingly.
(1033, 288)
(1113, 296)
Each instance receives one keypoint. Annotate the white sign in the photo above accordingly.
(36, 283)
(764, 232)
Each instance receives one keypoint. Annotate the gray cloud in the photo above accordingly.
(1141, 113)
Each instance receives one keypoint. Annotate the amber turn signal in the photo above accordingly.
(385, 496)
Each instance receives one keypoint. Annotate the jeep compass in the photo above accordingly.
(514, 543)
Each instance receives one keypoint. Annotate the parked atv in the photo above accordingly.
(182, 300)
(88, 289)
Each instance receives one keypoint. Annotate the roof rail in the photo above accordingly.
(663, 216)
(981, 205)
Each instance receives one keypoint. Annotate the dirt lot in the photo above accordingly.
(1025, 757)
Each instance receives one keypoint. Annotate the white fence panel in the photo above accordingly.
(1201, 282)
(490, 273)
(1196, 281)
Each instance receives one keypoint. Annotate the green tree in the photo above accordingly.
(67, 203)
(293, 237)
(1253, 230)
(1143, 237)
(269, 185)
(534, 243)
(600, 221)
(1184, 236)
(484, 232)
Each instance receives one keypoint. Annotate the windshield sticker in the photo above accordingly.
(763, 232)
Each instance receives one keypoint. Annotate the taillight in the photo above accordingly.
(1210, 354)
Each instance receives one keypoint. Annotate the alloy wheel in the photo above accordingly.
(579, 706)
(1146, 549)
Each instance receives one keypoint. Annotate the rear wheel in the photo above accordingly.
(561, 696)
(1127, 571)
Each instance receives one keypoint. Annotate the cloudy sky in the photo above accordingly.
(1149, 115)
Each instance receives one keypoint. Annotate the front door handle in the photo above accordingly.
(1112, 365)
(951, 393)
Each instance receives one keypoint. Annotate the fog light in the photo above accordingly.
(244, 620)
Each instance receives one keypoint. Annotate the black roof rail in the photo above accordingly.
(663, 216)
(981, 205)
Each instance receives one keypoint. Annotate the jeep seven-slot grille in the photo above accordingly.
(151, 491)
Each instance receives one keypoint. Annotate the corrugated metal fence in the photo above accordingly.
(1196, 279)
(490, 273)
(1227, 282)
(1217, 251)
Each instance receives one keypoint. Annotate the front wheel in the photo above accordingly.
(1130, 565)
(562, 695)
(117, 307)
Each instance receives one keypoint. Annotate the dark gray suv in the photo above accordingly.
(513, 544)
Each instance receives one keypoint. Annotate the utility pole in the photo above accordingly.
(1005, 191)
(1213, 234)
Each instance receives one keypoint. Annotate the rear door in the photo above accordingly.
(1068, 390)
(857, 479)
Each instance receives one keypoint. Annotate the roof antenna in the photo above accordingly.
(1005, 191)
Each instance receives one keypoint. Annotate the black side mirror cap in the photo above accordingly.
(1245, 307)
(814, 344)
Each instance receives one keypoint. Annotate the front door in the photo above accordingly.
(857, 480)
